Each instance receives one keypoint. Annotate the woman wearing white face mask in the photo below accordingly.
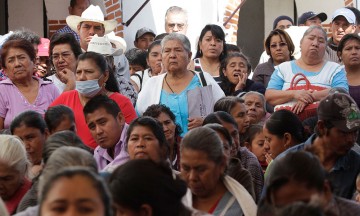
(93, 78)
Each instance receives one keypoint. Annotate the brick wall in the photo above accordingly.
(112, 12)
(232, 26)
(350, 3)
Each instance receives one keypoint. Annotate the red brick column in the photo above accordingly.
(113, 11)
(233, 23)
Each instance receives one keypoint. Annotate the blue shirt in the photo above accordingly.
(178, 104)
(343, 175)
(331, 75)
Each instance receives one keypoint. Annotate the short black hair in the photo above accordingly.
(137, 56)
(219, 117)
(56, 114)
(155, 127)
(29, 118)
(65, 38)
(156, 109)
(102, 101)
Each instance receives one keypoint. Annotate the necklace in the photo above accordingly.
(168, 84)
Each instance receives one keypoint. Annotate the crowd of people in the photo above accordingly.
(88, 128)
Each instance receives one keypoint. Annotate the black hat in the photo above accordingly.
(309, 15)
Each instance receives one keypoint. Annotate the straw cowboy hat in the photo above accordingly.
(91, 14)
(118, 41)
(102, 45)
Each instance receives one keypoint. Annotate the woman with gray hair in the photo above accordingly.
(255, 104)
(317, 75)
(14, 166)
(66, 156)
(203, 165)
(172, 88)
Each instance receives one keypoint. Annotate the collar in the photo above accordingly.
(41, 81)
(332, 45)
(118, 146)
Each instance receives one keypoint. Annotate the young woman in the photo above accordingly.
(172, 130)
(280, 136)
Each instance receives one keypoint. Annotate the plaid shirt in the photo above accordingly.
(67, 29)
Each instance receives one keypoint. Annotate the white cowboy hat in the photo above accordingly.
(102, 45)
(118, 41)
(91, 14)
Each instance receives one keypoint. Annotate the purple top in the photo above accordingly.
(355, 93)
(13, 102)
(105, 162)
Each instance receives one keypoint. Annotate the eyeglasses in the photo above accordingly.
(179, 26)
(281, 44)
(64, 55)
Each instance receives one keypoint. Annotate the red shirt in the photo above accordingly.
(72, 100)
(12, 203)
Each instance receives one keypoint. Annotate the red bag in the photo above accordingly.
(311, 109)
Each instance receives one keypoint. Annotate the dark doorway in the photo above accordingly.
(4, 28)
(250, 34)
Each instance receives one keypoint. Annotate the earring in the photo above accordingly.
(200, 52)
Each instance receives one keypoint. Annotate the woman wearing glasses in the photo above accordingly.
(279, 46)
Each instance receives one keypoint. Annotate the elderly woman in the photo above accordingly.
(203, 166)
(211, 50)
(255, 107)
(234, 73)
(22, 91)
(172, 87)
(321, 74)
(13, 171)
(93, 78)
(280, 48)
(64, 51)
(349, 54)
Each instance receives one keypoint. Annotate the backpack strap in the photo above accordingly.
(202, 77)
(140, 79)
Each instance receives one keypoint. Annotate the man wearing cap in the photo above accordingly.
(76, 8)
(335, 135)
(343, 23)
(143, 38)
(310, 18)
(90, 23)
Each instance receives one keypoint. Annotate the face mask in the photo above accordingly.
(88, 88)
